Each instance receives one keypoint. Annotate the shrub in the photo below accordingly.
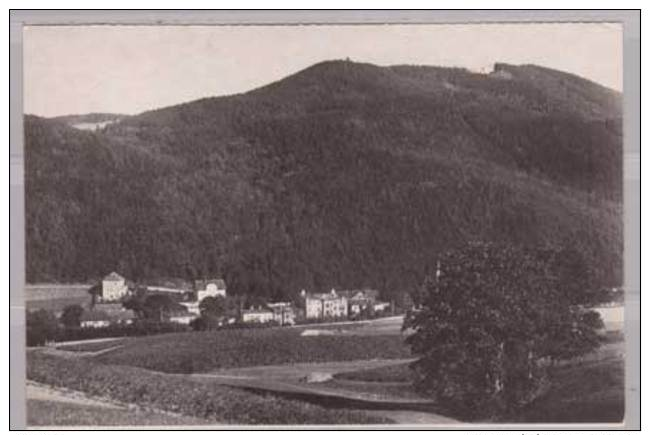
(41, 326)
(71, 316)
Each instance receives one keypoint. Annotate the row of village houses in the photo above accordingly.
(108, 309)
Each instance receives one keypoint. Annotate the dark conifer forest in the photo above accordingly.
(342, 175)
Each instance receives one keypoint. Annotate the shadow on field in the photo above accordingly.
(340, 402)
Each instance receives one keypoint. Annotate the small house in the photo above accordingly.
(257, 315)
(361, 300)
(283, 313)
(95, 319)
(182, 317)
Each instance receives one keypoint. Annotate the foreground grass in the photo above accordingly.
(198, 352)
(391, 373)
(590, 390)
(49, 413)
(182, 395)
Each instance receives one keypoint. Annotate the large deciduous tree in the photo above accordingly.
(219, 306)
(159, 306)
(492, 319)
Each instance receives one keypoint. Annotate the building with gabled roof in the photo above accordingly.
(113, 276)
(114, 287)
(283, 312)
(209, 288)
(360, 300)
(325, 305)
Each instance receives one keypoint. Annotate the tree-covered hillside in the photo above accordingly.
(343, 174)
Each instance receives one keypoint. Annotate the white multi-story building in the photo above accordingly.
(114, 287)
(325, 305)
(283, 312)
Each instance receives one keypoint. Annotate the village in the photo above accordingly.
(117, 301)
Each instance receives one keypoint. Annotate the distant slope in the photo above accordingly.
(89, 117)
(342, 174)
(90, 121)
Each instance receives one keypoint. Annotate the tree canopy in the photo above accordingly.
(71, 316)
(490, 322)
(160, 306)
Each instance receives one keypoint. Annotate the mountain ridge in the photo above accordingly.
(331, 177)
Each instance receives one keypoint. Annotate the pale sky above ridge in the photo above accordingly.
(130, 69)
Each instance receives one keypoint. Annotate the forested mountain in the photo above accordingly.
(343, 174)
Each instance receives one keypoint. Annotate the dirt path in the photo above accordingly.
(88, 341)
(36, 391)
(415, 418)
(77, 353)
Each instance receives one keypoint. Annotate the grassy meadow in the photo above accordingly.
(44, 413)
(153, 371)
(198, 352)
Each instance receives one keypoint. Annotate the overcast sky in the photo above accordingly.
(130, 69)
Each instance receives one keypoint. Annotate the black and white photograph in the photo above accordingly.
(333, 225)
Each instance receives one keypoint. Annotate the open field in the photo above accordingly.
(55, 297)
(50, 291)
(56, 305)
(198, 352)
(382, 326)
(349, 374)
